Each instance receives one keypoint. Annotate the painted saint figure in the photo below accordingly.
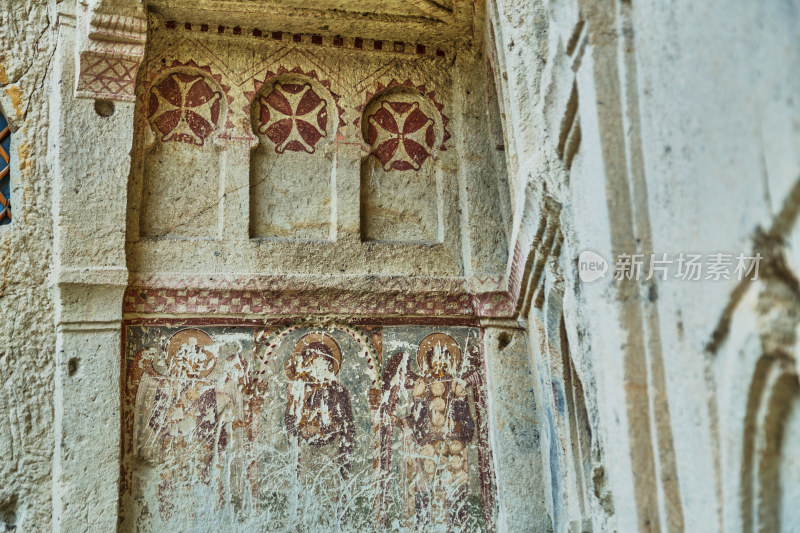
(435, 433)
(318, 410)
(183, 418)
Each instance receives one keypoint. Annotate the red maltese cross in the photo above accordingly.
(401, 135)
(294, 117)
(184, 108)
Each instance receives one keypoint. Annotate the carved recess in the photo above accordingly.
(185, 107)
(110, 55)
(400, 183)
(295, 118)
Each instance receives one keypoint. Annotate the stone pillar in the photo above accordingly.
(347, 194)
(484, 240)
(513, 430)
(89, 147)
(87, 399)
(235, 172)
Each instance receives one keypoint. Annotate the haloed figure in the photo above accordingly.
(435, 432)
(182, 420)
(318, 410)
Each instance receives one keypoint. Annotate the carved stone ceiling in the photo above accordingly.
(427, 21)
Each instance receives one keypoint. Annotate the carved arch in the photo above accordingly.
(402, 196)
(185, 105)
(295, 112)
(402, 128)
(296, 119)
(773, 402)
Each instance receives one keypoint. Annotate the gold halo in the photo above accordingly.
(307, 339)
(432, 340)
(182, 337)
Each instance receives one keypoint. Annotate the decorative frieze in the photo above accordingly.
(114, 48)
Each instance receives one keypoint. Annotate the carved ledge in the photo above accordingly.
(432, 22)
(90, 297)
(110, 54)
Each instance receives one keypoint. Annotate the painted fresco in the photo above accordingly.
(305, 427)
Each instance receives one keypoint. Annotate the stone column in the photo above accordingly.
(513, 430)
(235, 175)
(89, 146)
(347, 193)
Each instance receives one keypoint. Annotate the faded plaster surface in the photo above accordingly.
(643, 148)
(297, 426)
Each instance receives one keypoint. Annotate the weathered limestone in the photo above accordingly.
(26, 303)
(320, 265)
(89, 277)
(516, 438)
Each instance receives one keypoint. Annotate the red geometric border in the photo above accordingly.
(398, 297)
(144, 300)
(350, 43)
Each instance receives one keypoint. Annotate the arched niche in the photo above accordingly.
(292, 168)
(580, 435)
(771, 467)
(401, 190)
(185, 107)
